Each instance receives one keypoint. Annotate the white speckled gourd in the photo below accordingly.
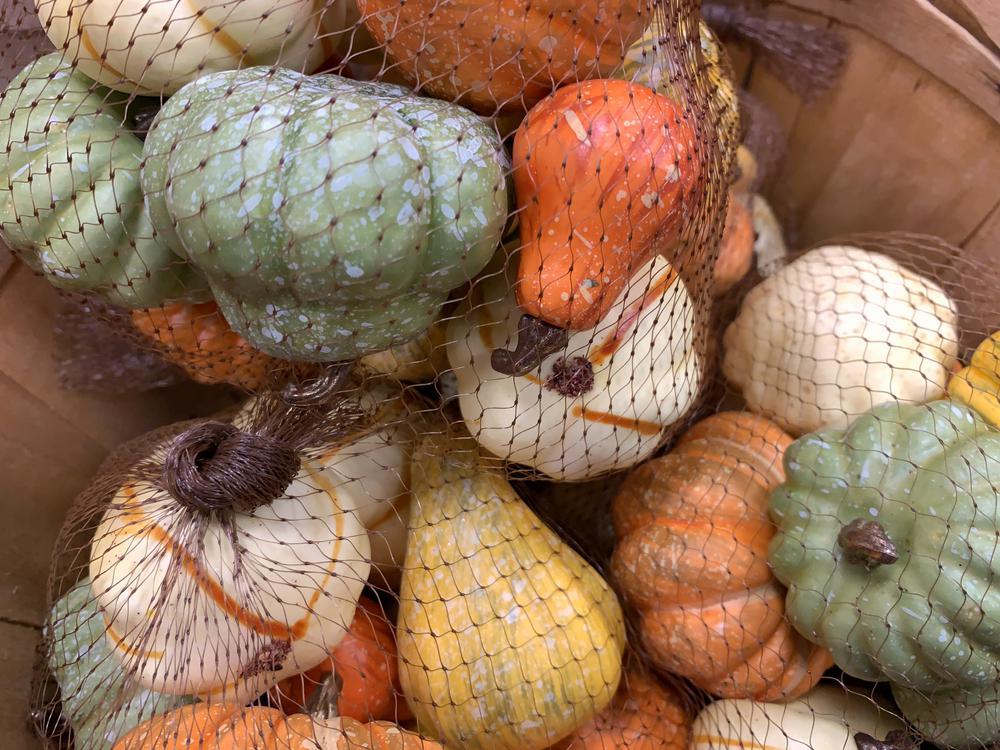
(641, 369)
(837, 332)
(332, 218)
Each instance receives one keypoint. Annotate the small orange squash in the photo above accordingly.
(645, 715)
(503, 55)
(365, 662)
(736, 248)
(693, 534)
(224, 726)
(602, 172)
(198, 339)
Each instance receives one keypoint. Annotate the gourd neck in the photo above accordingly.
(215, 467)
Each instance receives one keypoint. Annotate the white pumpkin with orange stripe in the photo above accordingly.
(154, 47)
(601, 402)
(226, 605)
(826, 718)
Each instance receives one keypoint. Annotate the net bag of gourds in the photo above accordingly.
(539, 436)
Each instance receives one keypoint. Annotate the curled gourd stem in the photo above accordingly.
(317, 390)
(897, 739)
(536, 340)
(214, 466)
(866, 543)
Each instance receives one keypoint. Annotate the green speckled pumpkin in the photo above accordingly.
(98, 700)
(70, 200)
(915, 483)
(332, 218)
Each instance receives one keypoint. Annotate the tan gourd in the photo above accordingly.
(507, 639)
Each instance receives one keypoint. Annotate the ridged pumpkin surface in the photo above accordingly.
(692, 558)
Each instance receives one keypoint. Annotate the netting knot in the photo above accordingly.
(536, 340)
(214, 466)
(866, 543)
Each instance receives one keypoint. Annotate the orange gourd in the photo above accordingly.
(736, 248)
(645, 715)
(503, 55)
(693, 534)
(224, 726)
(366, 664)
(602, 172)
(198, 339)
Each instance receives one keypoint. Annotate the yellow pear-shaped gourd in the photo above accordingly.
(508, 640)
(978, 385)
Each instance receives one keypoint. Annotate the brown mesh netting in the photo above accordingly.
(525, 359)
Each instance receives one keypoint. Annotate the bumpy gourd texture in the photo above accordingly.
(837, 332)
(331, 217)
(508, 640)
(927, 475)
(70, 201)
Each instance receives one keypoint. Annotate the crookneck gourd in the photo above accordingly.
(98, 699)
(574, 406)
(507, 639)
(225, 726)
(231, 558)
(70, 199)
(603, 172)
(332, 218)
(978, 385)
(155, 48)
(886, 541)
(836, 332)
(692, 558)
(503, 56)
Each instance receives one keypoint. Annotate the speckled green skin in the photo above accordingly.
(332, 218)
(956, 718)
(927, 474)
(98, 700)
(67, 156)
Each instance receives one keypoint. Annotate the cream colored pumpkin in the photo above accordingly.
(188, 615)
(646, 376)
(835, 333)
(827, 718)
(156, 47)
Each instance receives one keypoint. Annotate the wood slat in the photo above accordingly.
(896, 149)
(926, 35)
(981, 18)
(17, 652)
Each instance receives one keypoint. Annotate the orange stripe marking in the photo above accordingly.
(746, 744)
(641, 426)
(617, 337)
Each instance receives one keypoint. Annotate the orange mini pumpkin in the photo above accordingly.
(645, 715)
(602, 172)
(503, 55)
(225, 726)
(693, 534)
(366, 664)
(198, 339)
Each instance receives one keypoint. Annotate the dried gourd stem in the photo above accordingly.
(536, 340)
(213, 467)
(571, 376)
(866, 543)
(318, 390)
(140, 117)
(898, 739)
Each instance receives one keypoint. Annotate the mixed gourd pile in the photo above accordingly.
(260, 215)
